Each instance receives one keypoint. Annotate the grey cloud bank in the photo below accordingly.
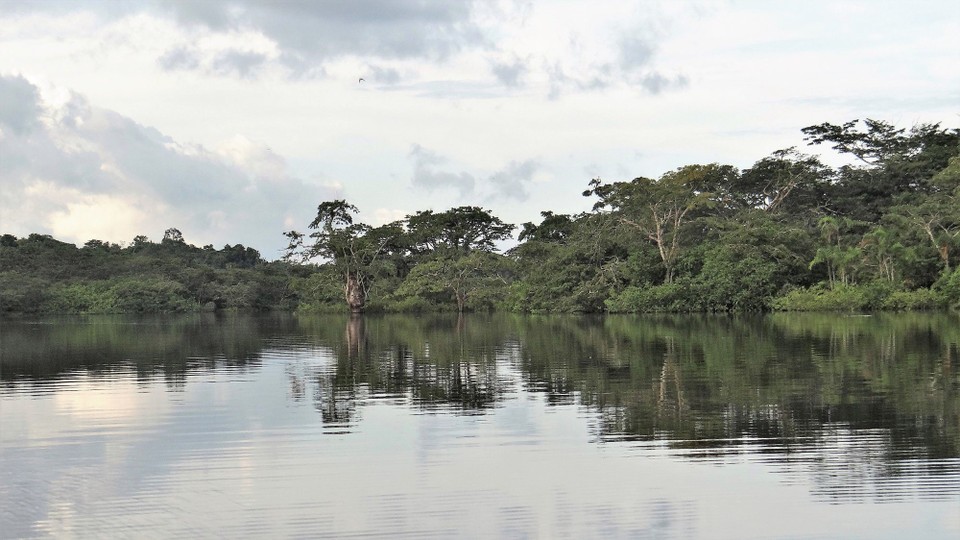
(304, 38)
(510, 183)
(308, 34)
(426, 176)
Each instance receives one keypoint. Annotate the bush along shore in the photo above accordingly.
(788, 233)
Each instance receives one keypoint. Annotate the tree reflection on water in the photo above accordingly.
(856, 401)
(437, 363)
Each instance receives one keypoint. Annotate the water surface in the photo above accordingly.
(784, 426)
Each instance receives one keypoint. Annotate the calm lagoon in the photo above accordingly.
(492, 426)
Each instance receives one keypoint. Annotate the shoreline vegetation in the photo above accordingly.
(788, 233)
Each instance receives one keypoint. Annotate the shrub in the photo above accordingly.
(919, 299)
(149, 295)
(318, 289)
(820, 298)
(878, 295)
(79, 298)
(239, 295)
(22, 293)
(875, 294)
(949, 287)
(734, 280)
(673, 297)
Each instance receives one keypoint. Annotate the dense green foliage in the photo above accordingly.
(787, 233)
(40, 274)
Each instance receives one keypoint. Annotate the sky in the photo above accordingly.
(231, 120)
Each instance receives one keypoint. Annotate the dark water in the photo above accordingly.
(782, 426)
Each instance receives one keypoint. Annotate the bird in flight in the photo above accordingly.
(360, 81)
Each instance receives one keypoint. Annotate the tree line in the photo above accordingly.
(787, 233)
(39, 274)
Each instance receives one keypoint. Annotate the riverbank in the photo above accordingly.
(154, 295)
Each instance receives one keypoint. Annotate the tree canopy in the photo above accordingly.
(881, 231)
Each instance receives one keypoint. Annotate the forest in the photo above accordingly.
(789, 233)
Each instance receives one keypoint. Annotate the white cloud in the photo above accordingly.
(81, 172)
(255, 158)
(382, 216)
(94, 216)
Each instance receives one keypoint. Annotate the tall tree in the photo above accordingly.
(466, 278)
(173, 235)
(786, 181)
(890, 162)
(352, 248)
(882, 250)
(659, 209)
(574, 263)
(464, 228)
(935, 215)
(553, 228)
(838, 252)
(454, 253)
